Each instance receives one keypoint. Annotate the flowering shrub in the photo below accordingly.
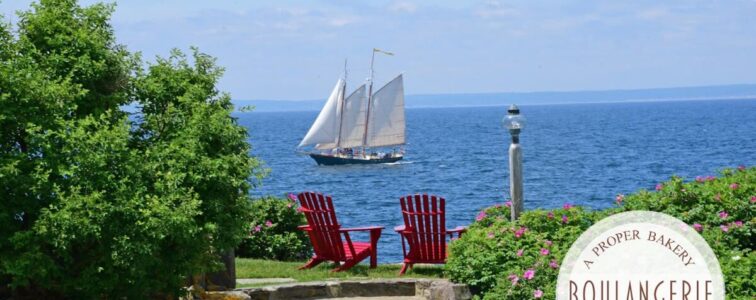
(273, 233)
(516, 260)
(725, 204)
(500, 259)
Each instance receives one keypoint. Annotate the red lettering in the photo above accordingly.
(656, 289)
(573, 292)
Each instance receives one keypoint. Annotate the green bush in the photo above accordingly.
(707, 203)
(495, 252)
(273, 233)
(99, 202)
(495, 255)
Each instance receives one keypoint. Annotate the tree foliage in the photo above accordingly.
(98, 202)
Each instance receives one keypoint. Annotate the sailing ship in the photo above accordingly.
(349, 128)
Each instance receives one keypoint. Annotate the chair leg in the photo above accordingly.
(404, 269)
(346, 266)
(373, 258)
(313, 262)
(374, 235)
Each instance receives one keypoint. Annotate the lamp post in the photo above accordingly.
(515, 122)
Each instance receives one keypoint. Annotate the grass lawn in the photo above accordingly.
(258, 268)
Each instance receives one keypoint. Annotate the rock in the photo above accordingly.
(373, 288)
(445, 290)
(399, 288)
(229, 295)
(301, 291)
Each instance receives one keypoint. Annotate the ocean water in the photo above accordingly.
(582, 154)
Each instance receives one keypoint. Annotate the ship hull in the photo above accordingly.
(330, 160)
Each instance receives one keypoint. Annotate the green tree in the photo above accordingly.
(98, 203)
(77, 43)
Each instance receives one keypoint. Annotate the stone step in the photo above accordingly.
(263, 280)
(376, 289)
(377, 298)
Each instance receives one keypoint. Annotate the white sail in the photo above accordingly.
(386, 119)
(353, 119)
(324, 132)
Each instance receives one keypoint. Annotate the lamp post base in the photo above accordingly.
(515, 179)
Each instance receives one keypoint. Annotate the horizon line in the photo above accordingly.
(661, 100)
(539, 92)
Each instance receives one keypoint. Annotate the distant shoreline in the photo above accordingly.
(734, 98)
(410, 107)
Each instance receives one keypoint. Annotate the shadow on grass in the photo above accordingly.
(256, 268)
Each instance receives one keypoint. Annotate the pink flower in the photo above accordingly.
(700, 179)
(564, 219)
(258, 228)
(741, 168)
(738, 223)
(292, 197)
(519, 252)
(724, 228)
(508, 204)
(514, 279)
(544, 251)
(718, 197)
(490, 235)
(619, 198)
(520, 232)
(550, 215)
(553, 264)
(268, 223)
(753, 199)
(659, 187)
(529, 274)
(481, 216)
(723, 214)
(548, 243)
(698, 227)
(711, 178)
(734, 186)
(537, 294)
(289, 205)
(567, 206)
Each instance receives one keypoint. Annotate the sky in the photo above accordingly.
(295, 50)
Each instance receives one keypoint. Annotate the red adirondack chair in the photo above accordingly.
(325, 234)
(424, 230)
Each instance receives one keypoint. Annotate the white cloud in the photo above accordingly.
(341, 21)
(494, 9)
(402, 6)
(653, 14)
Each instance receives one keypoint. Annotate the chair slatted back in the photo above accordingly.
(321, 217)
(425, 216)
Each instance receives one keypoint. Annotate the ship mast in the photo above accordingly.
(370, 96)
(343, 101)
(369, 102)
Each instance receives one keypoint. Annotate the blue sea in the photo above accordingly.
(581, 154)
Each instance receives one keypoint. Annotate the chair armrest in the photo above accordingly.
(375, 234)
(304, 227)
(369, 228)
(400, 228)
(459, 230)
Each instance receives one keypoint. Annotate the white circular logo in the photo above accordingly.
(640, 255)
